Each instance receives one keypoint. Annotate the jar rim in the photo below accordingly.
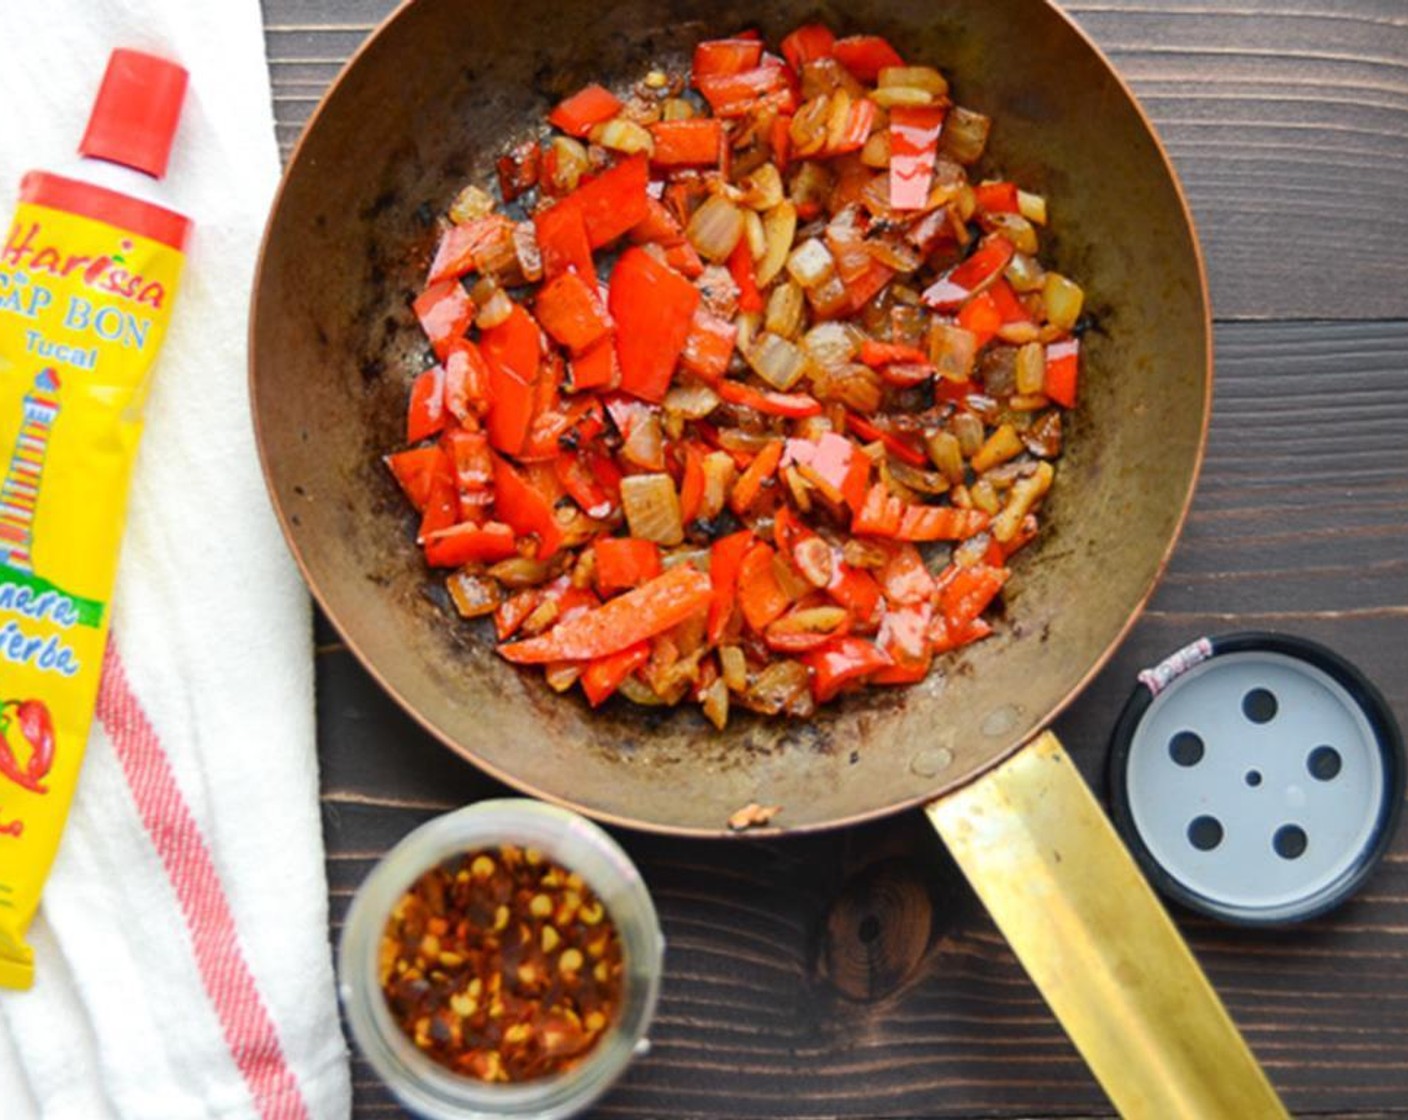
(562, 836)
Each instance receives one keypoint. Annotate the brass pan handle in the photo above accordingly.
(1047, 863)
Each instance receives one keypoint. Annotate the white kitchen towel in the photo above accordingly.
(182, 959)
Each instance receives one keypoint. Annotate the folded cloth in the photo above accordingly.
(182, 959)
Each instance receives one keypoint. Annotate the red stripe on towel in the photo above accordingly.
(249, 1030)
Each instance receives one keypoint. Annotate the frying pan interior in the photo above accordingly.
(428, 104)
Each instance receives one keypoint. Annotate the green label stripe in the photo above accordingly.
(90, 611)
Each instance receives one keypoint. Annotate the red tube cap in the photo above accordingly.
(134, 117)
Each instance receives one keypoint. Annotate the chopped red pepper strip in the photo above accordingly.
(895, 444)
(997, 198)
(875, 353)
(780, 139)
(521, 505)
(589, 106)
(518, 169)
(798, 406)
(725, 563)
(692, 484)
(570, 310)
(638, 614)
(854, 588)
(808, 43)
(510, 409)
(1062, 371)
(946, 636)
(981, 316)
(462, 247)
(868, 284)
(466, 381)
(1007, 303)
(880, 514)
(583, 486)
(709, 345)
(987, 261)
(940, 523)
(595, 367)
(914, 146)
(614, 201)
(966, 592)
(904, 636)
(750, 482)
(442, 507)
(469, 544)
(685, 260)
(866, 55)
(735, 95)
(426, 415)
(689, 143)
(577, 422)
(654, 308)
(445, 312)
(562, 240)
(787, 636)
(471, 459)
(415, 472)
(743, 271)
(904, 579)
(760, 596)
(843, 661)
(659, 224)
(726, 56)
(605, 675)
(513, 612)
(516, 343)
(624, 562)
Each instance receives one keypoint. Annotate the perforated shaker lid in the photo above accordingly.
(1256, 777)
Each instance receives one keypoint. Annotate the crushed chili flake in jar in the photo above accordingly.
(502, 965)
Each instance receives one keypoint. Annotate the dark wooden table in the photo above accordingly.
(854, 974)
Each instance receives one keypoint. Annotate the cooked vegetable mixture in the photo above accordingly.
(746, 391)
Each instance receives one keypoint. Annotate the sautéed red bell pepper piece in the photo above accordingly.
(638, 614)
(624, 562)
(445, 312)
(614, 201)
(1062, 369)
(426, 415)
(914, 146)
(524, 507)
(653, 307)
(725, 564)
(808, 43)
(865, 55)
(723, 57)
(586, 108)
(843, 661)
(467, 544)
(605, 675)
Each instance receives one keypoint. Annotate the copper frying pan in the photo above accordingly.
(429, 102)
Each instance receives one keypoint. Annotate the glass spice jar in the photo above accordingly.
(563, 837)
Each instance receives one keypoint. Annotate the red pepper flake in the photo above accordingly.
(501, 965)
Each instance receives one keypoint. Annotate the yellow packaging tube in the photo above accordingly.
(88, 274)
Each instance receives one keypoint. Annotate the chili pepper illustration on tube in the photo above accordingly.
(36, 727)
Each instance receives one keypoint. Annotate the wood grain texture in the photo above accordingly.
(854, 974)
(1287, 122)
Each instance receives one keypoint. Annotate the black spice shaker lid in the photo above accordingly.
(1257, 777)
